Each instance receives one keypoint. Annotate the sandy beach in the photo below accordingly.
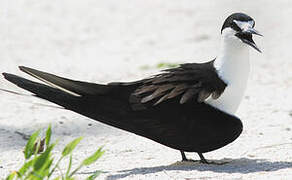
(104, 41)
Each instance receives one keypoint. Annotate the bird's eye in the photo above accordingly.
(253, 24)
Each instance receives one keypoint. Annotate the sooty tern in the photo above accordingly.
(189, 108)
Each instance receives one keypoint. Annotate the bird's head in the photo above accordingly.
(240, 27)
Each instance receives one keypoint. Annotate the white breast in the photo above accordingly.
(233, 68)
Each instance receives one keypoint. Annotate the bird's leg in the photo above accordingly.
(184, 158)
(203, 160)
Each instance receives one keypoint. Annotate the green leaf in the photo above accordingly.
(48, 136)
(69, 178)
(44, 160)
(40, 166)
(94, 175)
(71, 146)
(75, 171)
(11, 176)
(25, 167)
(69, 166)
(94, 157)
(166, 65)
(46, 168)
(56, 166)
(29, 148)
(35, 176)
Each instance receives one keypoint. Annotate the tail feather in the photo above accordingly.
(14, 92)
(76, 88)
(105, 108)
(40, 90)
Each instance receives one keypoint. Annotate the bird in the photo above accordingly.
(190, 108)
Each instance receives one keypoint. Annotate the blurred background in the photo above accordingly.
(108, 40)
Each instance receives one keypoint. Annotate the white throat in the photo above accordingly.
(233, 67)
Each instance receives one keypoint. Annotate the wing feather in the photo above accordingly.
(188, 82)
(203, 95)
(188, 95)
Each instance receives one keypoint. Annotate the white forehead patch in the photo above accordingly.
(244, 25)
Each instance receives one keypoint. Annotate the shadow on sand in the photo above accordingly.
(243, 166)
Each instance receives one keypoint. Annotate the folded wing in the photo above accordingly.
(168, 108)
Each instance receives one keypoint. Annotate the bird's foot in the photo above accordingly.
(202, 160)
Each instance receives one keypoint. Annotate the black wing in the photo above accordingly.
(189, 82)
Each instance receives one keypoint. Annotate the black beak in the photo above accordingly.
(246, 37)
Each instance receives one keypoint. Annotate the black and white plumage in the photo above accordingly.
(189, 82)
(189, 108)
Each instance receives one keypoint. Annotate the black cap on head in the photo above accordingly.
(229, 22)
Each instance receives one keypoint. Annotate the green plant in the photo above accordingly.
(167, 65)
(40, 164)
(161, 65)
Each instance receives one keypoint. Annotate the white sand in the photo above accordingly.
(102, 41)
